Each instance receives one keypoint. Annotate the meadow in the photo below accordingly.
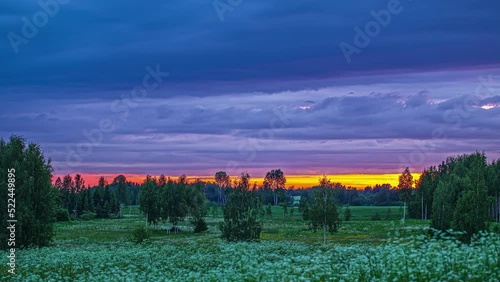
(362, 250)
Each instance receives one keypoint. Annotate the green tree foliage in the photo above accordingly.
(405, 188)
(164, 199)
(198, 207)
(121, 189)
(106, 210)
(462, 198)
(493, 184)
(149, 201)
(323, 213)
(101, 200)
(79, 183)
(35, 199)
(275, 180)
(175, 206)
(85, 203)
(241, 213)
(96, 197)
(425, 187)
(68, 195)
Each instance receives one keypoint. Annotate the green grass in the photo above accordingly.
(365, 213)
(360, 229)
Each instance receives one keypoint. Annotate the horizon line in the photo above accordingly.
(296, 181)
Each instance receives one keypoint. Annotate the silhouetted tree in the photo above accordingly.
(121, 189)
(275, 180)
(222, 180)
(405, 187)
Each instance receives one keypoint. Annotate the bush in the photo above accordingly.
(347, 214)
(200, 225)
(62, 215)
(88, 215)
(139, 235)
(376, 216)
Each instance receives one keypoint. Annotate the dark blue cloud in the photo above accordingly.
(228, 79)
(258, 41)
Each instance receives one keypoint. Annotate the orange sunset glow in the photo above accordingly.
(298, 181)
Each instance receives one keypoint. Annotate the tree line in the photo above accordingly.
(461, 193)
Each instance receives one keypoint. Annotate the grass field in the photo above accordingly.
(359, 229)
(100, 250)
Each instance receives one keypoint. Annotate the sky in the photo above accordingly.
(341, 88)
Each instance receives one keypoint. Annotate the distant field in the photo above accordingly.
(357, 212)
(292, 227)
(360, 229)
(100, 250)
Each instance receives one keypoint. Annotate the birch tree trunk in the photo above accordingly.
(422, 207)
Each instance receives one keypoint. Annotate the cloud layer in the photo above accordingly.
(256, 41)
(266, 87)
(359, 128)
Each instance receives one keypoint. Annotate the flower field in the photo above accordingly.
(208, 258)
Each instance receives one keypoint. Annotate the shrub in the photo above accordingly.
(200, 225)
(139, 235)
(62, 215)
